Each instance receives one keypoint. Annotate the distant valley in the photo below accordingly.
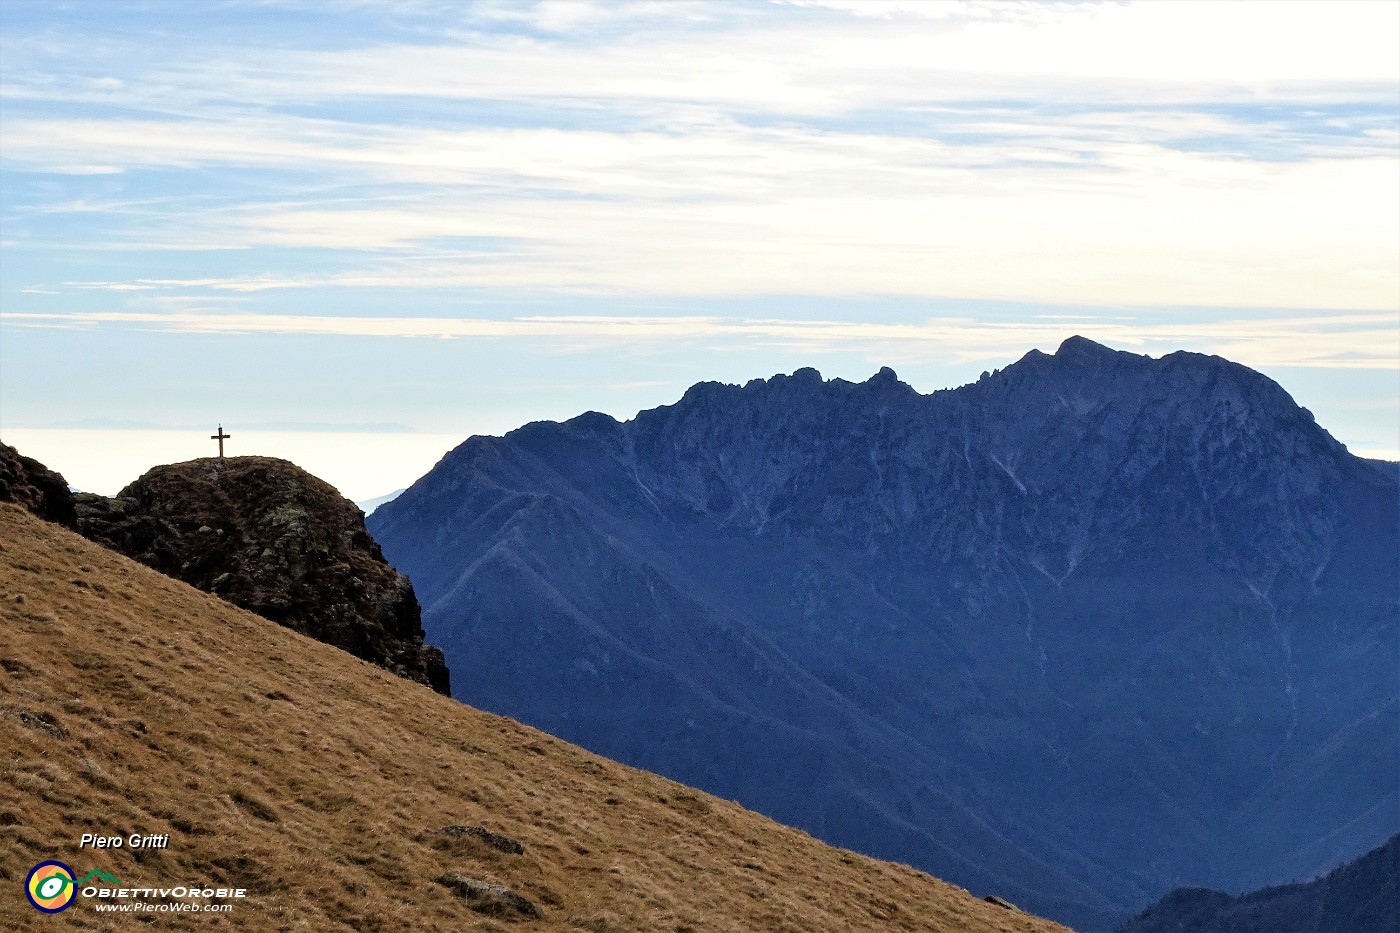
(1094, 627)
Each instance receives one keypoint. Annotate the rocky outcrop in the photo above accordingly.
(267, 536)
(495, 840)
(31, 485)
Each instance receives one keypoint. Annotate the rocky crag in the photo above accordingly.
(261, 533)
(32, 486)
(1089, 629)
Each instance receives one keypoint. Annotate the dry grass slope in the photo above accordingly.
(130, 702)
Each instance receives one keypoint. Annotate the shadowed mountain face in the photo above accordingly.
(1091, 628)
(1359, 897)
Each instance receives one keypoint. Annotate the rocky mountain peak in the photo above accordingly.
(269, 537)
(1191, 397)
(887, 385)
(1086, 437)
(1092, 584)
(1082, 348)
(885, 375)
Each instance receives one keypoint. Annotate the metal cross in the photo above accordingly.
(220, 437)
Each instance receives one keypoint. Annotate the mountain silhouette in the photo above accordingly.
(1093, 627)
(1362, 896)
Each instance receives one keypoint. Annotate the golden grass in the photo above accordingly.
(132, 703)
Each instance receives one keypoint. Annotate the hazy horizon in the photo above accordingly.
(362, 461)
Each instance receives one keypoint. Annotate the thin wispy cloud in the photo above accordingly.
(1338, 341)
(930, 149)
(729, 209)
(805, 59)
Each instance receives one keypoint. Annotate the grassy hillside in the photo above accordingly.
(132, 703)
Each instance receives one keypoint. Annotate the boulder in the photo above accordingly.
(266, 535)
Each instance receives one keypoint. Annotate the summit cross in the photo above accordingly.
(220, 437)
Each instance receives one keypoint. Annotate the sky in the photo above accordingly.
(356, 233)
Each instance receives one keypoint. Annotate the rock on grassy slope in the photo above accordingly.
(268, 536)
(343, 797)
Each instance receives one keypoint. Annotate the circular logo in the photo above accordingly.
(49, 887)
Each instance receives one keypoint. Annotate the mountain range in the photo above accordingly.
(1089, 629)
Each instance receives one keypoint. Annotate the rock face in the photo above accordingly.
(1091, 628)
(1361, 896)
(33, 486)
(267, 536)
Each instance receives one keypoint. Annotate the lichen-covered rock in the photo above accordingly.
(494, 840)
(267, 536)
(487, 898)
(31, 485)
(122, 525)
